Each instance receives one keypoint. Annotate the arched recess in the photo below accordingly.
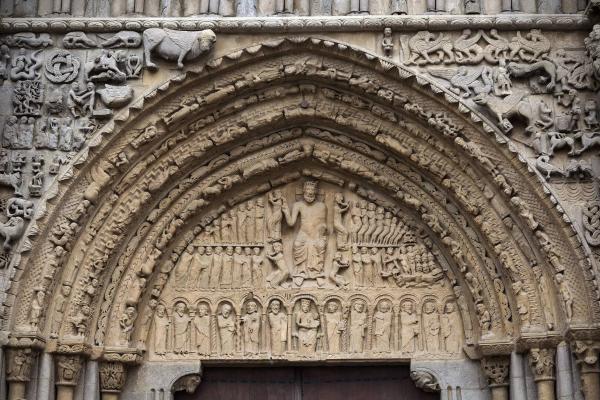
(115, 231)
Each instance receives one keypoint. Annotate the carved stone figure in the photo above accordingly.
(431, 327)
(282, 272)
(4, 63)
(425, 381)
(275, 216)
(28, 98)
(227, 329)
(450, 324)
(382, 327)
(256, 267)
(339, 209)
(181, 329)
(424, 44)
(307, 323)
(130, 39)
(335, 326)
(358, 326)
(310, 242)
(387, 43)
(338, 264)
(59, 308)
(278, 328)
(162, 325)
(567, 296)
(176, 45)
(201, 329)
(104, 68)
(81, 102)
(251, 327)
(26, 67)
(126, 324)
(37, 307)
(409, 331)
(78, 40)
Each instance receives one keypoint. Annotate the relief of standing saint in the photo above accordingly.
(307, 325)
(310, 242)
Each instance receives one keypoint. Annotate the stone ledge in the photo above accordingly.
(276, 24)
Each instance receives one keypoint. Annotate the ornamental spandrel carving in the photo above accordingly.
(306, 270)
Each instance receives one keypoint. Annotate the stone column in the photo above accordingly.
(496, 369)
(518, 389)
(18, 372)
(564, 374)
(112, 379)
(542, 365)
(68, 371)
(586, 354)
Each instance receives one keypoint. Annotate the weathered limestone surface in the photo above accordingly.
(250, 182)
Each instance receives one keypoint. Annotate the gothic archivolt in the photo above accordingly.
(330, 123)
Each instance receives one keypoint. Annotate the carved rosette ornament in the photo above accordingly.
(542, 365)
(586, 355)
(496, 370)
(112, 379)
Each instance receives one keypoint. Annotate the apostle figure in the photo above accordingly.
(256, 263)
(431, 327)
(382, 327)
(307, 325)
(226, 327)
(161, 330)
(275, 216)
(251, 327)
(278, 326)
(181, 329)
(217, 267)
(201, 324)
(335, 325)
(358, 326)
(409, 331)
(450, 323)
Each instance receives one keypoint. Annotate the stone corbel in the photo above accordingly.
(586, 355)
(496, 370)
(18, 372)
(542, 363)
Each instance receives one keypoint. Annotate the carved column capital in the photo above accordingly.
(68, 369)
(19, 361)
(496, 370)
(112, 376)
(586, 353)
(542, 364)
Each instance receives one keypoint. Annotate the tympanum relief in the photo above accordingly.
(306, 270)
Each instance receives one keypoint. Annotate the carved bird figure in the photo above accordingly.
(542, 163)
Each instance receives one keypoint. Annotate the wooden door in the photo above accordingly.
(308, 383)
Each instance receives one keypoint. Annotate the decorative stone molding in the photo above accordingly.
(298, 24)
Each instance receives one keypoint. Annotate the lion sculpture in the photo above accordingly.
(176, 45)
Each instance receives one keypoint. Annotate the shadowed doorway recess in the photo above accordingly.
(308, 383)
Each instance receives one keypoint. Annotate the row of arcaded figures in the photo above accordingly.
(251, 8)
(305, 328)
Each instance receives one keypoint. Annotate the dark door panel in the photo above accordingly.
(307, 383)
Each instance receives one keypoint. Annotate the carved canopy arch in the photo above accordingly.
(140, 182)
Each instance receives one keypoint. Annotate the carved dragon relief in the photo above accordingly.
(131, 316)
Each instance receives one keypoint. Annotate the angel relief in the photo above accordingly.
(307, 270)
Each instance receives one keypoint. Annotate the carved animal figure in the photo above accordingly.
(560, 140)
(497, 48)
(466, 49)
(11, 230)
(541, 67)
(542, 163)
(588, 139)
(424, 44)
(510, 106)
(176, 45)
(478, 81)
(123, 39)
(78, 40)
(529, 48)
